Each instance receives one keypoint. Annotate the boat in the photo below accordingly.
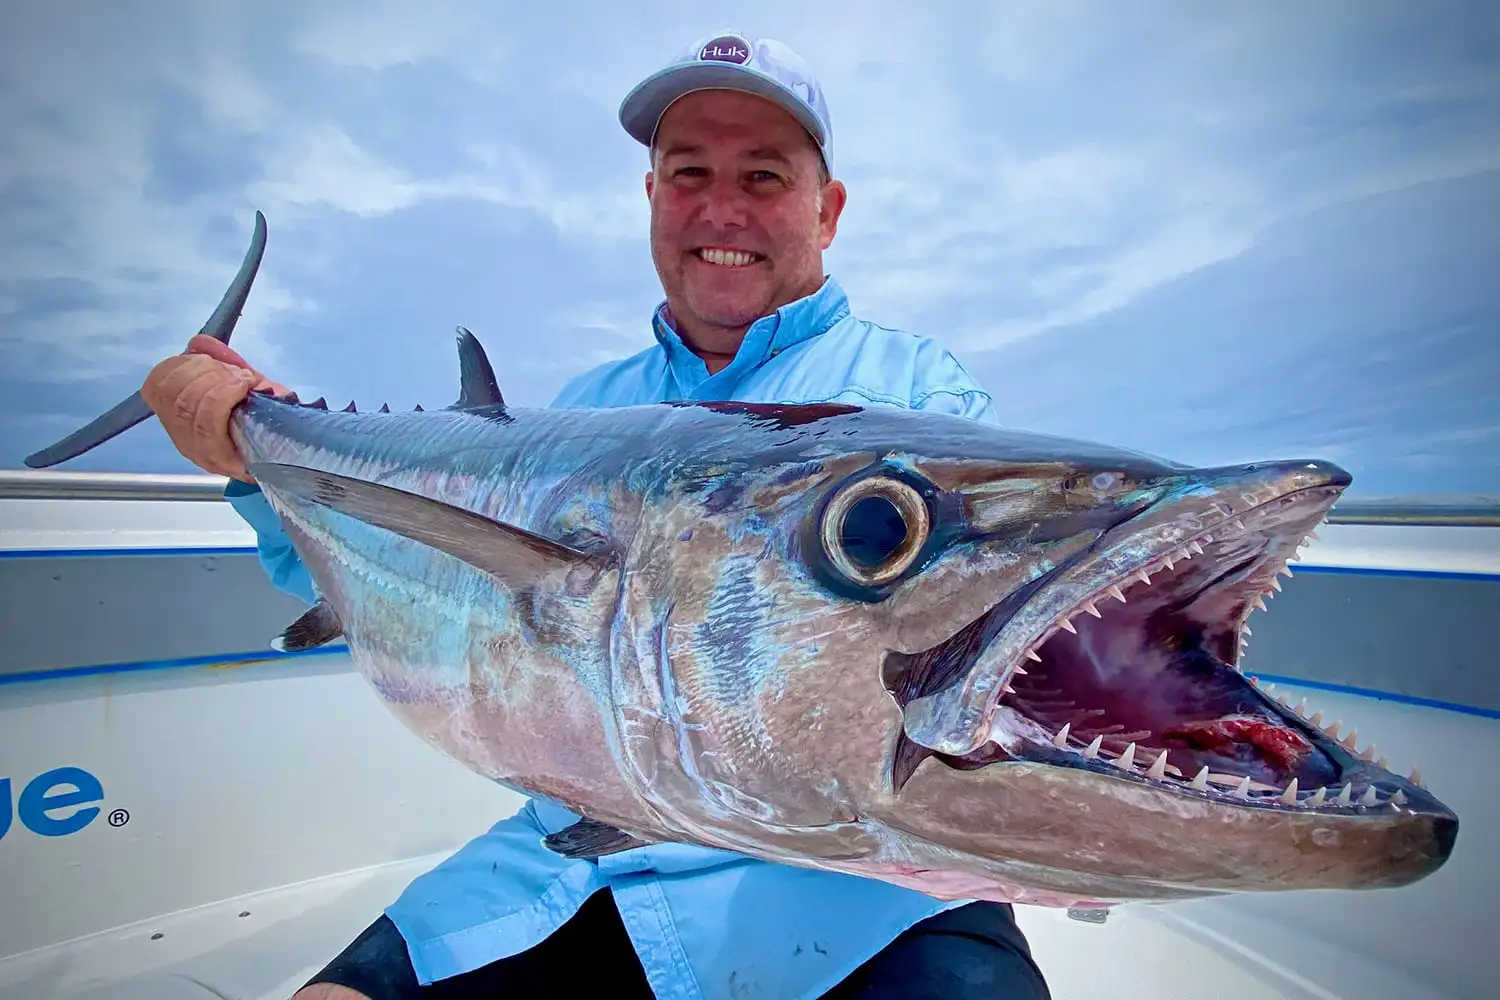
(188, 814)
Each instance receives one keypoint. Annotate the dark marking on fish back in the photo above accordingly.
(782, 415)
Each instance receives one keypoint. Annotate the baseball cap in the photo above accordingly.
(732, 60)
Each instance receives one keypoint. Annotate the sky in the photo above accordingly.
(1216, 232)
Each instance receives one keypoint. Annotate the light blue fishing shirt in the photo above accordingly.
(707, 924)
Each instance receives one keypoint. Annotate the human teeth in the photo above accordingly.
(1369, 798)
(1289, 797)
(1159, 769)
(1061, 739)
(727, 258)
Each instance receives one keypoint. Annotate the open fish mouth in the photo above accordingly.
(1129, 668)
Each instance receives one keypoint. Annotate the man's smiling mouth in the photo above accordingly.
(727, 258)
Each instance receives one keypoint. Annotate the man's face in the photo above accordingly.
(739, 214)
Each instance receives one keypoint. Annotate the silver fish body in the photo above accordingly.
(977, 662)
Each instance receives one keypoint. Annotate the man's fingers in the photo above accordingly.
(215, 398)
(204, 344)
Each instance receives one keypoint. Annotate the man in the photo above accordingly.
(743, 205)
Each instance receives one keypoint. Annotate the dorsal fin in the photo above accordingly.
(477, 387)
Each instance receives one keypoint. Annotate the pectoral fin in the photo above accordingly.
(513, 555)
(590, 839)
(318, 625)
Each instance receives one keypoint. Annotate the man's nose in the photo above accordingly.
(725, 205)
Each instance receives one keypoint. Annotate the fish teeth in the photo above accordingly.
(1289, 797)
(1318, 797)
(1399, 798)
(1345, 796)
(1092, 750)
(1061, 739)
(1116, 593)
(1200, 782)
(1126, 759)
(1158, 770)
(1370, 798)
(1031, 654)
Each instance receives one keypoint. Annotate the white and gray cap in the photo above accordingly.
(733, 61)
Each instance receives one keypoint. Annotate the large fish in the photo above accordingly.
(906, 646)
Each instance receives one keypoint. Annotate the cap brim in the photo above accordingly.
(643, 107)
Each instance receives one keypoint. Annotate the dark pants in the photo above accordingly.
(962, 954)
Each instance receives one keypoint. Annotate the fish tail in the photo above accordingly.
(133, 409)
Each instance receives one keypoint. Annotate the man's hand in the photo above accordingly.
(193, 393)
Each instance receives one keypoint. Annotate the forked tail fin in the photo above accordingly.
(131, 411)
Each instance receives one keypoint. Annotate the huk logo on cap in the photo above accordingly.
(726, 48)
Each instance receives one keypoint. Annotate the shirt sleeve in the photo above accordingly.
(277, 556)
(941, 384)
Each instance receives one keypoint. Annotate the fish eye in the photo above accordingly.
(1104, 480)
(873, 530)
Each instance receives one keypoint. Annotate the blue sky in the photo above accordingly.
(1212, 231)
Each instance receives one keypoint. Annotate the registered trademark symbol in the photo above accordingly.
(119, 817)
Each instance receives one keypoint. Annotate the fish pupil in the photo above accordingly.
(872, 532)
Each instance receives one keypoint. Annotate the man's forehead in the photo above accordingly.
(759, 151)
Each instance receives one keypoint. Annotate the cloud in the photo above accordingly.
(1030, 183)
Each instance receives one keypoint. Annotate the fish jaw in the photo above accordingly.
(1114, 717)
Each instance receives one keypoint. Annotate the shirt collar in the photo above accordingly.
(767, 337)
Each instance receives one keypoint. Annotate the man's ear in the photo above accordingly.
(835, 196)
